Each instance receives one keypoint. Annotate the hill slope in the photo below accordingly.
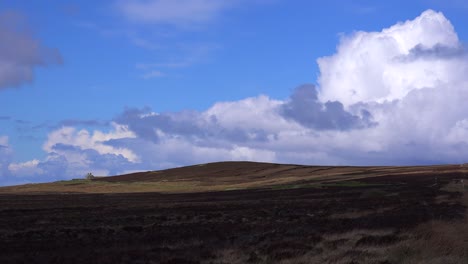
(220, 176)
(278, 214)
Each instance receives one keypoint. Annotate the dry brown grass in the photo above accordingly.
(434, 242)
(364, 221)
(224, 176)
(437, 241)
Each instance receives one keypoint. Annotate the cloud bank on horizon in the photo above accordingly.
(393, 97)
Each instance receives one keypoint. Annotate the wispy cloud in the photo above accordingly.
(190, 54)
(153, 74)
(82, 122)
(131, 35)
(143, 43)
(172, 65)
(152, 70)
(173, 12)
(159, 27)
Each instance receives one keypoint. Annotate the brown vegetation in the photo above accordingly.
(357, 215)
(222, 176)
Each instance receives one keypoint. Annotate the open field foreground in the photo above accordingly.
(239, 212)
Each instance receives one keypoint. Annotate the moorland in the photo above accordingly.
(242, 212)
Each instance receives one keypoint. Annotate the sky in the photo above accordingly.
(118, 86)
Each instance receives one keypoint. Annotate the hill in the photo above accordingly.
(221, 176)
(242, 212)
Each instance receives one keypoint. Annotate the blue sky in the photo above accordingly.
(118, 86)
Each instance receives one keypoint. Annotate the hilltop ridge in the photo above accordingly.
(228, 175)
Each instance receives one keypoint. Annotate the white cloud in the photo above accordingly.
(178, 151)
(398, 98)
(252, 154)
(22, 169)
(368, 66)
(250, 113)
(20, 52)
(83, 139)
(72, 153)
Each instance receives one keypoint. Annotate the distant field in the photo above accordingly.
(242, 212)
(225, 176)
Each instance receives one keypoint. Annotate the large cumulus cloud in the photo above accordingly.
(305, 108)
(394, 97)
(387, 65)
